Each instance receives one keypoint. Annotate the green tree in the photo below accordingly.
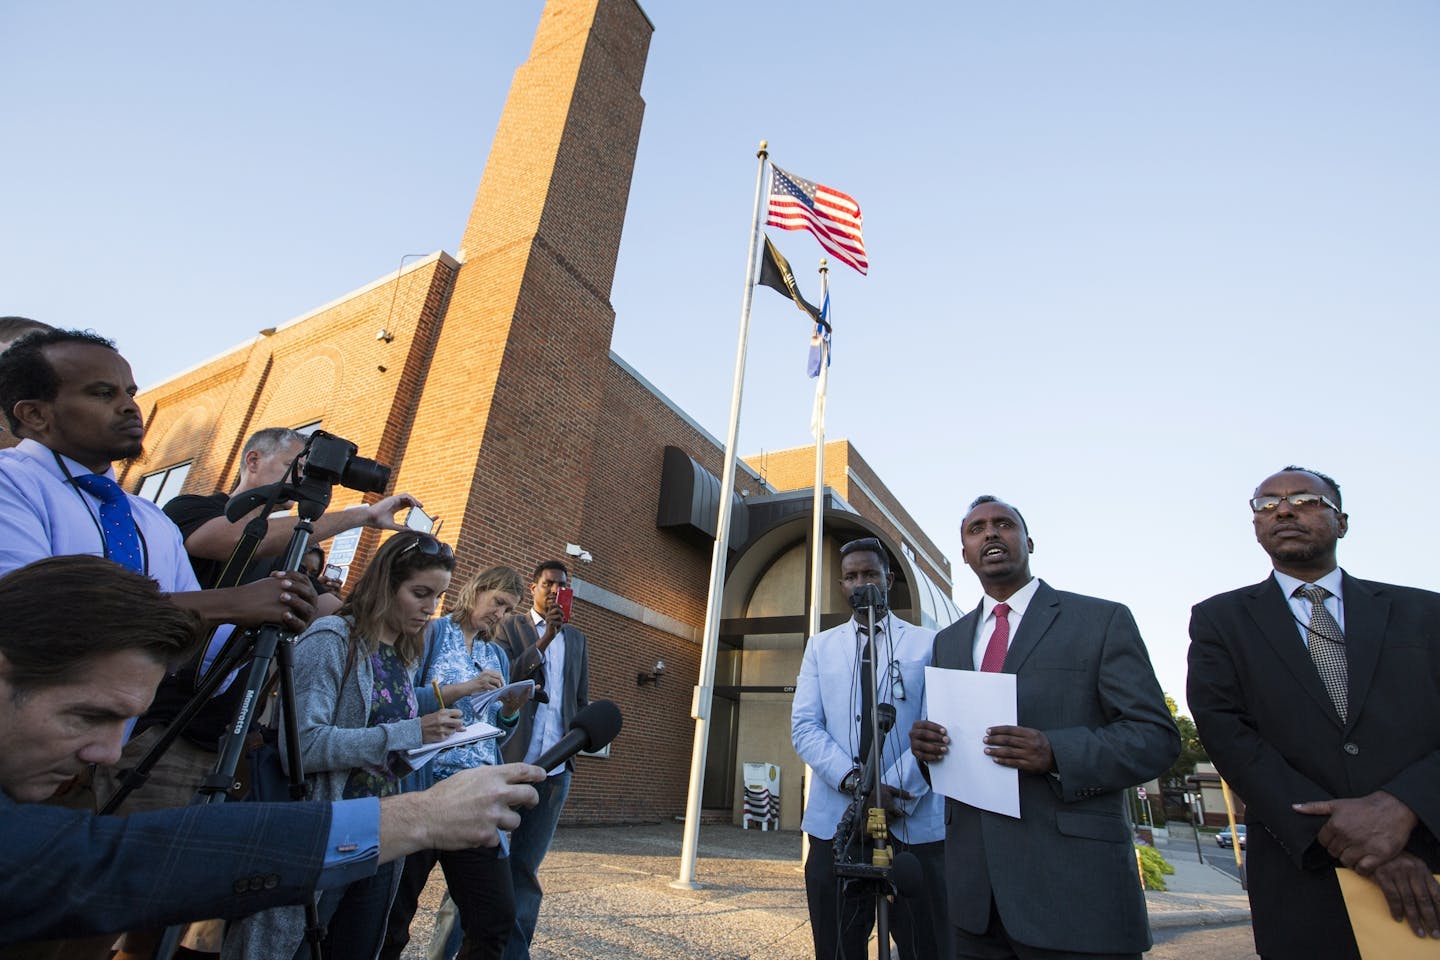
(1191, 750)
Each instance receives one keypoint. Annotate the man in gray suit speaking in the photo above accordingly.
(1061, 880)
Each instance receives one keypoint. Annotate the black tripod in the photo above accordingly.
(864, 828)
(269, 644)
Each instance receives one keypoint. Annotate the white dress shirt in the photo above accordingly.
(547, 728)
(1300, 607)
(43, 515)
(1019, 601)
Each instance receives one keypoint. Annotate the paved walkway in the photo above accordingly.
(607, 894)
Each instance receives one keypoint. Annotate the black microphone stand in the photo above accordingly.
(875, 871)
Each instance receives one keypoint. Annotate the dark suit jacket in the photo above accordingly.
(517, 635)
(1063, 876)
(66, 873)
(1268, 725)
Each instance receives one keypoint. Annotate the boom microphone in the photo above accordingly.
(592, 728)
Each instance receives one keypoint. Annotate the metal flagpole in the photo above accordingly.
(817, 426)
(705, 688)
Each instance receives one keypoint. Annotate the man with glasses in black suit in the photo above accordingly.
(1317, 695)
(830, 727)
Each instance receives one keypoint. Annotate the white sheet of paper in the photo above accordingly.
(966, 703)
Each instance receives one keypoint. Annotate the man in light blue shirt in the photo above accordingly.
(828, 724)
(72, 396)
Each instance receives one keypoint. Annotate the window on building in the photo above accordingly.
(162, 485)
(308, 428)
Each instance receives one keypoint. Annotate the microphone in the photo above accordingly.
(847, 830)
(885, 718)
(867, 595)
(591, 729)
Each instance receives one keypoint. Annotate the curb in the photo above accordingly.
(1223, 916)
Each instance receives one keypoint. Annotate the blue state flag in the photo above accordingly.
(820, 340)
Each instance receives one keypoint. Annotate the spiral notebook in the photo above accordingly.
(479, 730)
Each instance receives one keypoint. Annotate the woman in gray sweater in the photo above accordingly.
(357, 715)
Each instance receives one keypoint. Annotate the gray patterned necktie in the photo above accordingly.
(1327, 647)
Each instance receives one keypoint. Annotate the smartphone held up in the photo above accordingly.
(419, 520)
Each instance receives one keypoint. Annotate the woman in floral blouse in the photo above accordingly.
(357, 715)
(465, 664)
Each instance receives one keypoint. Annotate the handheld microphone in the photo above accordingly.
(592, 728)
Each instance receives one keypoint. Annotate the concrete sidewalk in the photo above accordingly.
(607, 894)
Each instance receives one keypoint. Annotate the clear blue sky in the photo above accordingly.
(1127, 258)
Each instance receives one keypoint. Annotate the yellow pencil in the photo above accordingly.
(435, 685)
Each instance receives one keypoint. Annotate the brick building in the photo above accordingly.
(486, 379)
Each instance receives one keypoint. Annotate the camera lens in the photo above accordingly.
(364, 475)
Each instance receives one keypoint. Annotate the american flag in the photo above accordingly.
(834, 217)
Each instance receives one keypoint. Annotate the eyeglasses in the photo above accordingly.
(1297, 500)
(429, 547)
(897, 683)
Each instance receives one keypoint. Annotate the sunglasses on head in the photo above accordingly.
(429, 547)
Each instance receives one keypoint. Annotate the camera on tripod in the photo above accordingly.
(309, 482)
(330, 459)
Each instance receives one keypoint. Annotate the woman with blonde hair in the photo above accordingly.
(357, 714)
(462, 661)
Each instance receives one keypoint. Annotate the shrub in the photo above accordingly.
(1153, 867)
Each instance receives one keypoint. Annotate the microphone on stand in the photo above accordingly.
(867, 596)
(885, 719)
(850, 821)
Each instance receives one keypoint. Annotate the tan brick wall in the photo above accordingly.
(794, 469)
(324, 367)
(499, 404)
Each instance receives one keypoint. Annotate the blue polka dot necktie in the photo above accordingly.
(117, 523)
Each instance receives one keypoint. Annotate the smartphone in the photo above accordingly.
(417, 519)
(565, 597)
(333, 571)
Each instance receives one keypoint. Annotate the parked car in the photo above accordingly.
(1224, 839)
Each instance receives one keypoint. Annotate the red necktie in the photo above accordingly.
(999, 641)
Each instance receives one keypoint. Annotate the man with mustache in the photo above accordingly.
(1317, 696)
(73, 396)
(1060, 881)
